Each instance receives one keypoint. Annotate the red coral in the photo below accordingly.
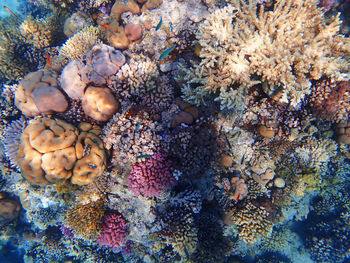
(330, 100)
(151, 177)
(114, 231)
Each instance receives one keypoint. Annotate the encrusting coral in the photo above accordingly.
(53, 150)
(243, 45)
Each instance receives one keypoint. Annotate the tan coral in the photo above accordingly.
(91, 159)
(124, 6)
(53, 150)
(99, 103)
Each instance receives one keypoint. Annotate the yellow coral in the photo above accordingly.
(36, 32)
(243, 45)
(79, 44)
(85, 220)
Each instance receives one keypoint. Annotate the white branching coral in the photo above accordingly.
(242, 45)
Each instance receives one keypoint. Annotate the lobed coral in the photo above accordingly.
(261, 48)
(53, 150)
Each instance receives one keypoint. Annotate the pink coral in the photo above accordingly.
(114, 231)
(151, 177)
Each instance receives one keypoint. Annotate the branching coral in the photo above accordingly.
(78, 45)
(242, 44)
(37, 32)
(85, 220)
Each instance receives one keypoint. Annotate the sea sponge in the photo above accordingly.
(52, 151)
(32, 94)
(99, 103)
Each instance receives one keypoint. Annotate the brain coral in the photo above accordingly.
(151, 177)
(53, 150)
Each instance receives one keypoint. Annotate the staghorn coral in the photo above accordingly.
(78, 45)
(38, 32)
(151, 177)
(53, 150)
(85, 220)
(242, 45)
(114, 230)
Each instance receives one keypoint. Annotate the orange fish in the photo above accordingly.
(106, 26)
(226, 187)
(48, 61)
(239, 195)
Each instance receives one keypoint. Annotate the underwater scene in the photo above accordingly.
(185, 131)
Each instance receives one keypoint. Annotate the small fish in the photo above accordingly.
(171, 27)
(159, 24)
(48, 60)
(239, 195)
(9, 10)
(226, 187)
(144, 156)
(227, 141)
(166, 52)
(137, 126)
(106, 26)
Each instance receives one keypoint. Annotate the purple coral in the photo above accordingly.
(151, 177)
(114, 230)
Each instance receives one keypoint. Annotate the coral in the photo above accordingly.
(85, 220)
(124, 6)
(9, 209)
(127, 141)
(316, 153)
(99, 103)
(53, 150)
(37, 32)
(71, 80)
(185, 196)
(12, 139)
(330, 100)
(133, 32)
(136, 77)
(151, 177)
(38, 93)
(179, 229)
(252, 222)
(78, 45)
(114, 230)
(261, 44)
(76, 22)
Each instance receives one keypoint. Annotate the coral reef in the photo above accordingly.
(231, 60)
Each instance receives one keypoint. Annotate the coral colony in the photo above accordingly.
(160, 131)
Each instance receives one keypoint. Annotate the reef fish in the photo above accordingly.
(144, 156)
(48, 60)
(137, 127)
(171, 27)
(166, 52)
(159, 24)
(9, 10)
(106, 26)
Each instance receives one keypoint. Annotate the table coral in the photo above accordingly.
(261, 44)
(114, 230)
(151, 177)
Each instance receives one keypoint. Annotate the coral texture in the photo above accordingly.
(114, 230)
(261, 44)
(151, 177)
